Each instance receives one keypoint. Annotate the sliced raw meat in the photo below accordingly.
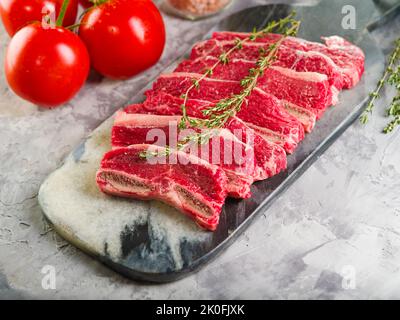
(306, 117)
(347, 56)
(287, 57)
(310, 90)
(164, 103)
(286, 136)
(237, 69)
(224, 148)
(269, 159)
(281, 127)
(264, 111)
(177, 84)
(197, 188)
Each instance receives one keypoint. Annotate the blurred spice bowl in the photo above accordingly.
(196, 9)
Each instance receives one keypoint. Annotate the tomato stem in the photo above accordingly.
(61, 16)
(98, 2)
(72, 27)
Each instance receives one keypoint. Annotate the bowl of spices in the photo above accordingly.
(196, 9)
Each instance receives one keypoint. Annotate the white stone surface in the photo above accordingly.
(342, 215)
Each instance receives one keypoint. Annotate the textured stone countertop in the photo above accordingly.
(335, 233)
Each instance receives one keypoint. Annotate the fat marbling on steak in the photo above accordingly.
(309, 90)
(280, 126)
(224, 148)
(286, 134)
(262, 112)
(166, 104)
(238, 69)
(265, 159)
(347, 57)
(197, 188)
(270, 157)
(287, 57)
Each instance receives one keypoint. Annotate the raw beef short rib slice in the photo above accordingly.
(348, 57)
(275, 116)
(287, 57)
(197, 189)
(281, 126)
(236, 70)
(177, 84)
(225, 148)
(164, 103)
(309, 90)
(269, 159)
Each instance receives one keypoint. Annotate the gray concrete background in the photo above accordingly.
(339, 221)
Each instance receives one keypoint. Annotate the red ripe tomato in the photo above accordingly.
(123, 37)
(18, 13)
(46, 66)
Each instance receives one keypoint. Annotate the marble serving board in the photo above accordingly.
(154, 242)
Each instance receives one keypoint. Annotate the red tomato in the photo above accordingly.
(123, 37)
(46, 66)
(18, 13)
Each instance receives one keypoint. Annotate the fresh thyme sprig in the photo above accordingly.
(216, 116)
(394, 108)
(394, 111)
(280, 26)
(198, 139)
(391, 76)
